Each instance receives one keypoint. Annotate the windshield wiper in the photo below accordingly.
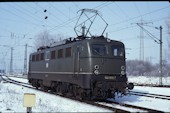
(97, 52)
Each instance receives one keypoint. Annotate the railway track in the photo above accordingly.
(130, 108)
(7, 79)
(107, 104)
(152, 85)
(166, 97)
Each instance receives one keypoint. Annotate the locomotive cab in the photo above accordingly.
(103, 61)
(108, 67)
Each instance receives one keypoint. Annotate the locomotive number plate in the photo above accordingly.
(110, 77)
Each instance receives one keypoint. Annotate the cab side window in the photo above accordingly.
(42, 56)
(68, 52)
(53, 54)
(60, 53)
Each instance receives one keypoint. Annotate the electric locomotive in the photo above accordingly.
(83, 67)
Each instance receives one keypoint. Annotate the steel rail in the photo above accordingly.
(166, 97)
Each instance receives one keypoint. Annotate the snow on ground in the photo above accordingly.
(11, 98)
(148, 80)
(153, 103)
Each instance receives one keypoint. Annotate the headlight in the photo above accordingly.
(122, 72)
(96, 72)
(122, 67)
(96, 67)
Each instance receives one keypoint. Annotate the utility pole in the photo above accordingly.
(11, 61)
(25, 60)
(160, 28)
(141, 53)
(141, 57)
(159, 41)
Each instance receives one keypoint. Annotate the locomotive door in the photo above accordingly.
(76, 60)
(47, 58)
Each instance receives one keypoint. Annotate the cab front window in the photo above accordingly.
(99, 49)
(117, 51)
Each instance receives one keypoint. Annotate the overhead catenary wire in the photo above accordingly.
(26, 19)
(75, 18)
(45, 16)
(114, 12)
(102, 4)
(28, 13)
(121, 9)
(120, 22)
(70, 10)
(154, 11)
(151, 35)
(137, 9)
(56, 9)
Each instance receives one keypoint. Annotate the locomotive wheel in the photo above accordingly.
(109, 94)
(71, 90)
(78, 92)
(36, 87)
(44, 88)
(84, 94)
(37, 84)
(60, 89)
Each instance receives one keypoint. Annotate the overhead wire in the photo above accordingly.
(52, 24)
(151, 35)
(17, 16)
(121, 9)
(141, 15)
(28, 13)
(99, 7)
(154, 11)
(77, 6)
(74, 18)
(60, 13)
(42, 20)
(114, 13)
(26, 20)
(102, 5)
(137, 9)
(70, 10)
(122, 29)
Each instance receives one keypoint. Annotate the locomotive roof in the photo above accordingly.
(80, 39)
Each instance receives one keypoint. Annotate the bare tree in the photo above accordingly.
(137, 68)
(46, 39)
